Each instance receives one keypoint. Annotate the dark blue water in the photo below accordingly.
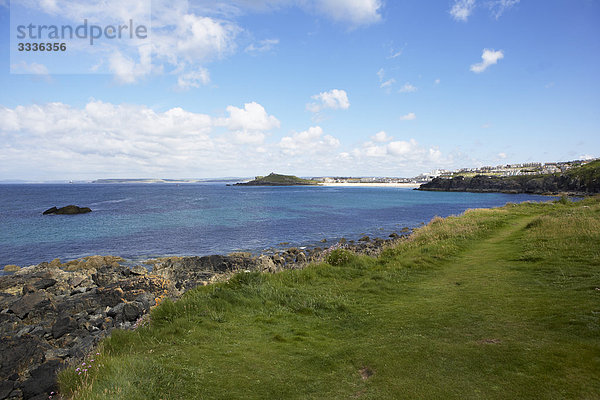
(137, 221)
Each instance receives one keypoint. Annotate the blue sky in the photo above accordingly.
(305, 87)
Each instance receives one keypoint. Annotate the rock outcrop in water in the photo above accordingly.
(53, 314)
(67, 210)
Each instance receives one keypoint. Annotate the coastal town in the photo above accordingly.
(531, 168)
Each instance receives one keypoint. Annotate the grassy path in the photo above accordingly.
(498, 304)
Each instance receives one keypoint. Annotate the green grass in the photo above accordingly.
(588, 173)
(494, 304)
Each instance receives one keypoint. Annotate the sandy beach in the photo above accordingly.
(375, 184)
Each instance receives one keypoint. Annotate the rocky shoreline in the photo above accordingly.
(531, 184)
(53, 314)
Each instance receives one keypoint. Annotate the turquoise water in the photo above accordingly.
(137, 221)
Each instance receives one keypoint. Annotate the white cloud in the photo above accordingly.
(408, 117)
(462, 9)
(187, 36)
(502, 155)
(407, 88)
(586, 157)
(381, 137)
(498, 7)
(193, 39)
(262, 46)
(402, 148)
(308, 142)
(395, 53)
(28, 68)
(101, 139)
(193, 79)
(489, 57)
(355, 12)
(437, 81)
(387, 155)
(126, 69)
(487, 125)
(334, 99)
(252, 117)
(387, 83)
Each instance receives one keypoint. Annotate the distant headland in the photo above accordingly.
(274, 179)
(581, 179)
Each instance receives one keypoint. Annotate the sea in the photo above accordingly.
(140, 221)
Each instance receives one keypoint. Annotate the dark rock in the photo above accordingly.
(42, 380)
(76, 280)
(41, 396)
(534, 184)
(132, 311)
(108, 274)
(27, 288)
(394, 235)
(50, 211)
(5, 388)
(189, 272)
(109, 296)
(62, 326)
(38, 331)
(139, 270)
(364, 239)
(16, 354)
(44, 283)
(8, 323)
(67, 210)
(28, 302)
(116, 311)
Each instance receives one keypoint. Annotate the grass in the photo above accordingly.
(494, 304)
(589, 173)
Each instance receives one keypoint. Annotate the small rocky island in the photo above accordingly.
(67, 210)
(278, 180)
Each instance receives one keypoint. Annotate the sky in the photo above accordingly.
(304, 87)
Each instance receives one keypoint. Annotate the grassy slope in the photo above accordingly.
(494, 304)
(588, 173)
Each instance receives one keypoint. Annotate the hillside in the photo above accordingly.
(493, 304)
(580, 180)
(278, 180)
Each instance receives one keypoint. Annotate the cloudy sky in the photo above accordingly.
(305, 87)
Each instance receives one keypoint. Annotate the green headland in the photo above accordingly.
(278, 180)
(493, 304)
